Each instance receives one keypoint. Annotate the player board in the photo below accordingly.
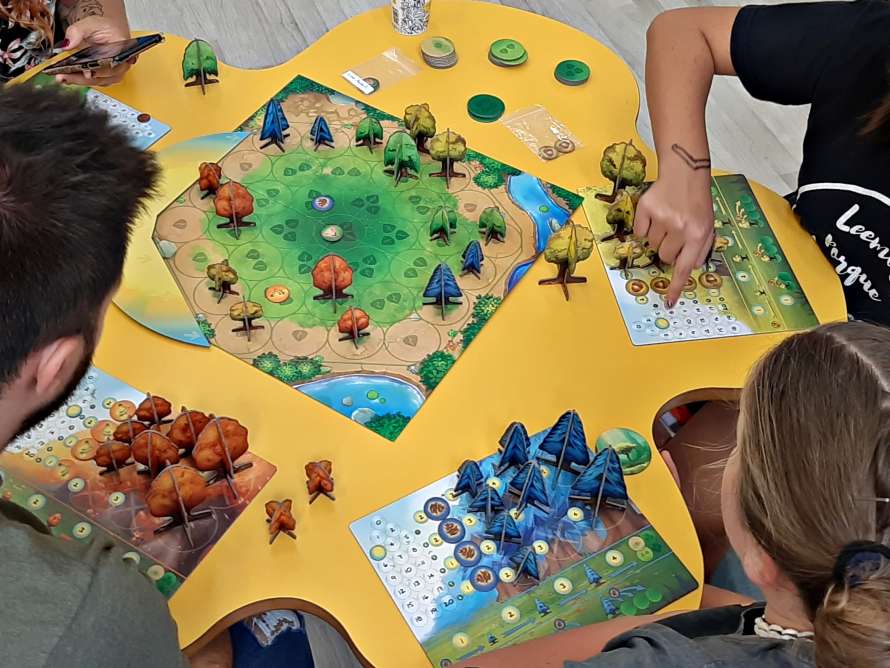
(141, 128)
(534, 539)
(363, 282)
(44, 472)
(747, 287)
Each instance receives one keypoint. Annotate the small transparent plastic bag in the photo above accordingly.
(544, 136)
(382, 70)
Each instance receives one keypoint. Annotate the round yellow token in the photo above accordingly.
(507, 574)
(73, 411)
(541, 547)
(563, 586)
(155, 572)
(516, 515)
(466, 587)
(85, 449)
(488, 547)
(378, 552)
(460, 640)
(614, 558)
(451, 563)
(420, 517)
(636, 543)
(494, 483)
(470, 521)
(510, 614)
(435, 540)
(575, 514)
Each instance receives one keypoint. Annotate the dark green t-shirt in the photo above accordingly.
(73, 604)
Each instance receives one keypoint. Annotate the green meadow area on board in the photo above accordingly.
(352, 254)
(540, 537)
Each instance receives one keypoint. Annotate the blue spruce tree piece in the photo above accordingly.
(504, 530)
(274, 125)
(469, 479)
(488, 501)
(321, 133)
(514, 445)
(602, 481)
(525, 563)
(442, 288)
(528, 486)
(565, 445)
(472, 259)
(492, 639)
(542, 607)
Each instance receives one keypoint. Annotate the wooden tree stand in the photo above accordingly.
(225, 289)
(563, 278)
(202, 79)
(248, 326)
(370, 142)
(235, 225)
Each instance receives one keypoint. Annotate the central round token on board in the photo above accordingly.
(277, 294)
(332, 233)
(323, 203)
(485, 108)
(572, 72)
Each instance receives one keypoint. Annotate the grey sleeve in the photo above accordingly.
(122, 620)
(653, 646)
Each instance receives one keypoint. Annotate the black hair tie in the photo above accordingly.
(858, 560)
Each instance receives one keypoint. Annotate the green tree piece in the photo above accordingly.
(420, 123)
(433, 367)
(448, 148)
(492, 224)
(389, 426)
(199, 63)
(442, 224)
(400, 157)
(369, 132)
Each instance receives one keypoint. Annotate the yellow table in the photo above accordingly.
(539, 356)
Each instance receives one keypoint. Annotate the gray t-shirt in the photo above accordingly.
(71, 604)
(703, 639)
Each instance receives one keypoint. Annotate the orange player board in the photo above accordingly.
(82, 484)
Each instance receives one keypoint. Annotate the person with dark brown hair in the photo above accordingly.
(834, 56)
(805, 503)
(30, 30)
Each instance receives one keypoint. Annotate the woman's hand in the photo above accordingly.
(676, 215)
(92, 31)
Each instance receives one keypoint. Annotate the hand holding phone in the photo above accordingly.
(93, 64)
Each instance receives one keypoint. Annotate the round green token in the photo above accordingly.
(485, 108)
(572, 72)
(437, 47)
(508, 50)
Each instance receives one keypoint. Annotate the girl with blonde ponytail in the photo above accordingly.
(806, 507)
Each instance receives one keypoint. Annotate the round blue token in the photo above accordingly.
(483, 578)
(436, 508)
(452, 530)
(467, 553)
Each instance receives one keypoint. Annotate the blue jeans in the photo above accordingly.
(289, 649)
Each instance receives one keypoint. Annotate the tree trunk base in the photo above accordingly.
(370, 143)
(563, 278)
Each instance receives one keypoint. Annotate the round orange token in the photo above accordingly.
(660, 285)
(121, 411)
(277, 294)
(103, 431)
(710, 280)
(689, 285)
(636, 287)
(85, 449)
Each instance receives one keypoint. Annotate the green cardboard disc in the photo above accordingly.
(572, 72)
(437, 47)
(485, 108)
(505, 63)
(508, 50)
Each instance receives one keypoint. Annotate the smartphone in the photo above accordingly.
(104, 55)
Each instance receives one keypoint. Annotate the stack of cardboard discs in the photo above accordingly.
(507, 53)
(572, 72)
(485, 108)
(439, 52)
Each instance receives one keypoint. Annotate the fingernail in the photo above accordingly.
(64, 43)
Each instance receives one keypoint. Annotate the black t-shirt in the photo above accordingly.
(835, 56)
(21, 47)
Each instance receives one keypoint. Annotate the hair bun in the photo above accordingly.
(857, 561)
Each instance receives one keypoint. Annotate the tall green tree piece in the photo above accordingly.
(199, 63)
(442, 224)
(492, 224)
(400, 157)
(369, 132)
(420, 123)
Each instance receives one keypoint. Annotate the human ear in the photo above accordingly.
(760, 568)
(54, 364)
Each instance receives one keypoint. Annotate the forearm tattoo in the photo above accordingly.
(81, 9)
(694, 163)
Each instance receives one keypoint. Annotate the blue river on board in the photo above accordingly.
(527, 192)
(361, 396)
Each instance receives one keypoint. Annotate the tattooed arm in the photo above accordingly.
(94, 22)
(685, 49)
